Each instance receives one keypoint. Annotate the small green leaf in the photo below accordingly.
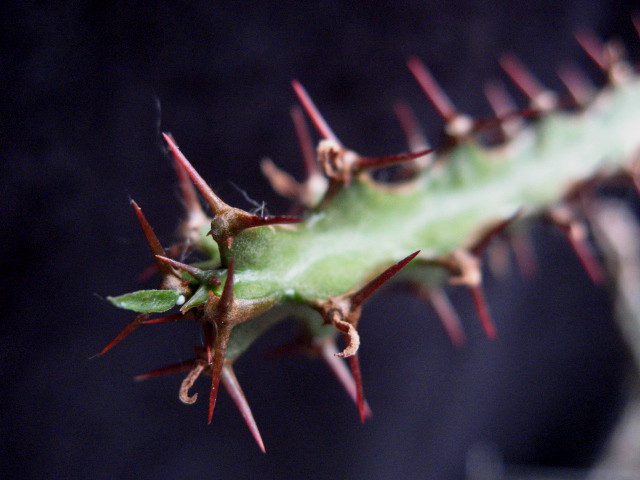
(146, 301)
(199, 297)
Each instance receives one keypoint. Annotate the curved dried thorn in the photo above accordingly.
(159, 372)
(365, 292)
(230, 382)
(188, 382)
(126, 331)
(352, 338)
(432, 89)
(216, 204)
(329, 353)
(313, 112)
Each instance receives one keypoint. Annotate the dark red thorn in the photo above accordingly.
(524, 253)
(635, 178)
(365, 292)
(498, 257)
(587, 257)
(339, 369)
(219, 352)
(159, 372)
(126, 331)
(495, 230)
(173, 251)
(480, 304)
(148, 272)
(636, 24)
(251, 221)
(286, 349)
(432, 89)
(169, 318)
(191, 270)
(216, 204)
(521, 76)
(189, 196)
(354, 364)
(208, 341)
(592, 45)
(577, 83)
(410, 127)
(305, 142)
(447, 315)
(369, 163)
(499, 99)
(195, 272)
(152, 240)
(577, 235)
(508, 118)
(314, 114)
(230, 382)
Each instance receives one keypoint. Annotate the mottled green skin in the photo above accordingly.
(366, 228)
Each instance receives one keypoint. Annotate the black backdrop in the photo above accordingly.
(86, 89)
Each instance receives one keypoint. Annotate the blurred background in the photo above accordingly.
(87, 87)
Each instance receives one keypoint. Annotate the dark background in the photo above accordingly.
(87, 87)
